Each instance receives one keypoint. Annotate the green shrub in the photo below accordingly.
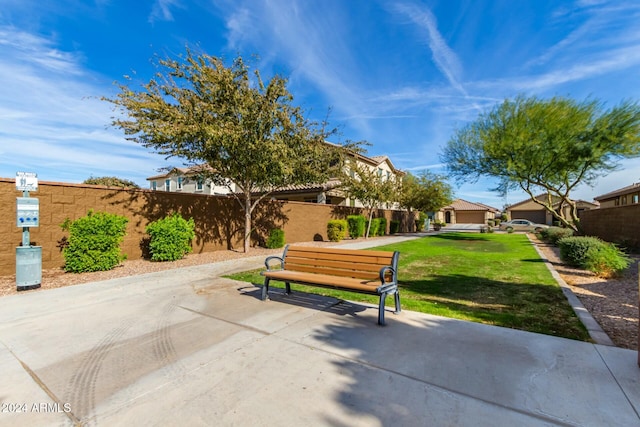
(491, 223)
(275, 239)
(573, 250)
(373, 228)
(170, 237)
(497, 221)
(606, 261)
(394, 226)
(382, 227)
(553, 234)
(603, 258)
(336, 229)
(356, 225)
(419, 225)
(94, 242)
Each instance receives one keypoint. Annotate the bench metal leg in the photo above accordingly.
(265, 288)
(383, 297)
(397, 298)
(287, 287)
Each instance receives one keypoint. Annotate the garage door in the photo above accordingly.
(470, 217)
(538, 217)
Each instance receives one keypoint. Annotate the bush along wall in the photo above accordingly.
(94, 242)
(275, 239)
(394, 226)
(337, 229)
(590, 253)
(356, 225)
(171, 237)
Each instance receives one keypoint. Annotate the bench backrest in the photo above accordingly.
(360, 264)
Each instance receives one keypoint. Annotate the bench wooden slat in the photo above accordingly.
(360, 252)
(368, 275)
(329, 256)
(326, 281)
(293, 262)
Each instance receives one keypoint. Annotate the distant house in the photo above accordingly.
(528, 209)
(463, 212)
(187, 180)
(628, 195)
(330, 193)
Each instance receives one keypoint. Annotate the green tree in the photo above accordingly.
(248, 132)
(548, 146)
(110, 181)
(425, 192)
(369, 187)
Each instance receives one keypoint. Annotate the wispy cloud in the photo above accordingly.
(57, 117)
(161, 10)
(444, 57)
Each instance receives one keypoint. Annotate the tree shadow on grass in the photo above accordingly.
(527, 306)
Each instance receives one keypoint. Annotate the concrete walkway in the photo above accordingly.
(186, 347)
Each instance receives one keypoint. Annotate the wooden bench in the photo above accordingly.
(361, 271)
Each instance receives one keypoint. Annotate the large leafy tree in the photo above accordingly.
(246, 130)
(367, 185)
(425, 192)
(545, 145)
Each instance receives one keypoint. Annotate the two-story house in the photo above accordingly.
(629, 195)
(187, 180)
(330, 192)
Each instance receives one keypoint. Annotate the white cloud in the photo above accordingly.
(51, 120)
(445, 59)
(161, 10)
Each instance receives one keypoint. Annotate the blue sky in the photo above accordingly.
(402, 75)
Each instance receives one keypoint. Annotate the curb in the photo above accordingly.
(597, 334)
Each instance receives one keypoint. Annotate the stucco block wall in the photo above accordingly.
(219, 220)
(620, 224)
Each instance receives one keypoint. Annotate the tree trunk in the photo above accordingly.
(366, 236)
(247, 221)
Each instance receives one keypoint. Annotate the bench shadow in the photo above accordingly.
(306, 300)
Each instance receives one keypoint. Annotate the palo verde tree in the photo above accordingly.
(547, 146)
(246, 130)
(425, 192)
(368, 186)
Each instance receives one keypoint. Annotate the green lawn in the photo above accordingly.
(497, 279)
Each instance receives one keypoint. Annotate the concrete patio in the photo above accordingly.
(186, 347)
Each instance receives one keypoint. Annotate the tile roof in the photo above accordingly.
(463, 205)
(620, 191)
(181, 171)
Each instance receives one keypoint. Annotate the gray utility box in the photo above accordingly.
(28, 266)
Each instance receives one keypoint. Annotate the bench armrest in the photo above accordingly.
(383, 272)
(266, 262)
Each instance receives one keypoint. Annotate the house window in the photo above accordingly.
(380, 172)
(167, 185)
(388, 175)
(179, 183)
(199, 184)
(624, 200)
(154, 185)
(634, 198)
